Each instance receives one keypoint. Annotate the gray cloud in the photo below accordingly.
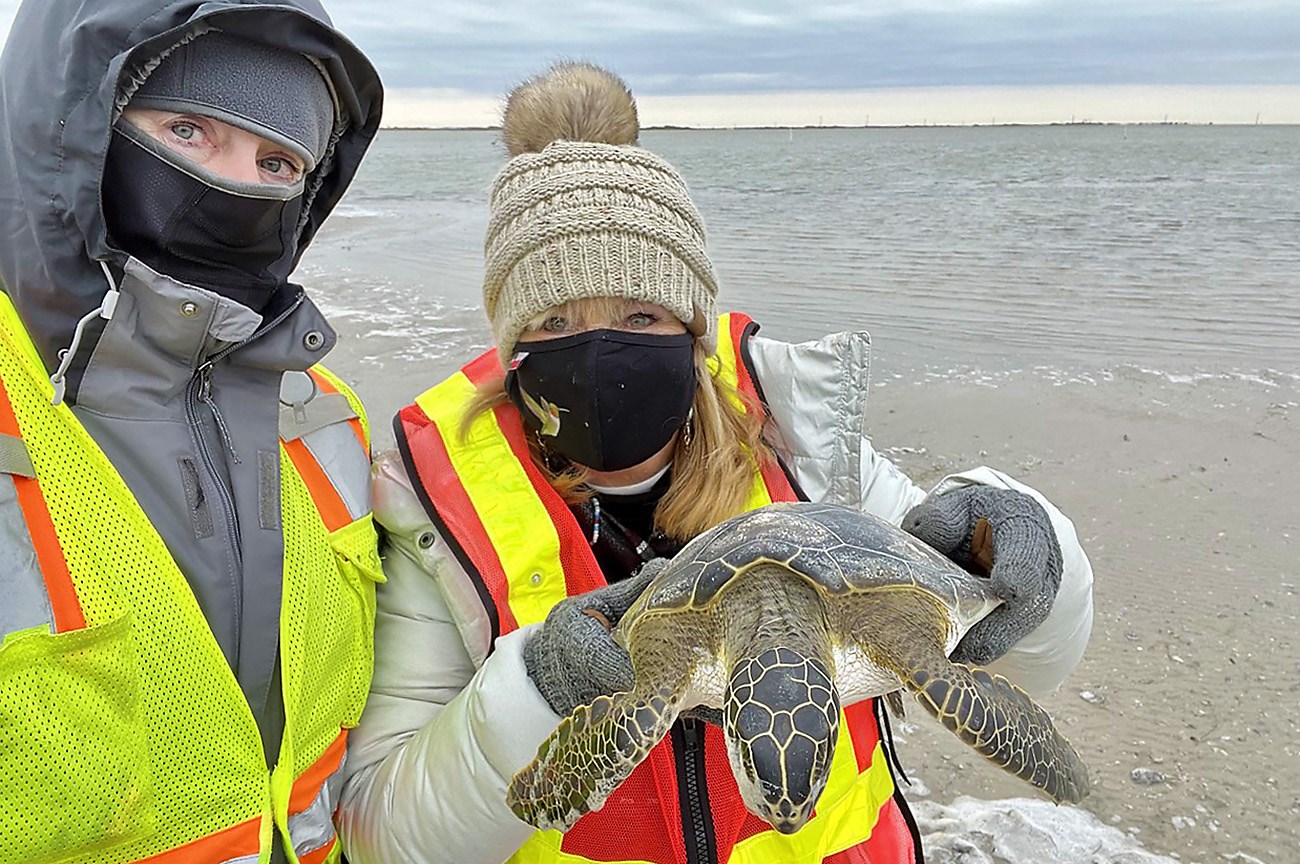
(682, 46)
(677, 47)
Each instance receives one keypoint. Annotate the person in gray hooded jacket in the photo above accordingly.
(186, 597)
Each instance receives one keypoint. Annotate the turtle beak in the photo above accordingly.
(786, 818)
(786, 804)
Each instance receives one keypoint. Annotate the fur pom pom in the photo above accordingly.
(569, 102)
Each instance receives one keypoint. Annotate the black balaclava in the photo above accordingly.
(606, 399)
(236, 239)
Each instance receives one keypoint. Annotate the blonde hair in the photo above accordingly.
(715, 456)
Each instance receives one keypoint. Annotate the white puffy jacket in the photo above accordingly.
(452, 718)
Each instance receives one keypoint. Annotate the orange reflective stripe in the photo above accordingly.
(309, 783)
(64, 604)
(327, 386)
(425, 454)
(237, 841)
(8, 421)
(581, 572)
(333, 511)
(738, 331)
(519, 528)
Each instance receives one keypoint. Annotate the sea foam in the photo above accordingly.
(1023, 831)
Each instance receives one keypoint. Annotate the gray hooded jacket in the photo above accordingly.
(179, 386)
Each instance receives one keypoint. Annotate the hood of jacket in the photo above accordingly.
(63, 73)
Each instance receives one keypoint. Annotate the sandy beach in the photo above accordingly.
(1184, 497)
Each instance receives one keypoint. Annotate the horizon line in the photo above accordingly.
(1039, 105)
(673, 127)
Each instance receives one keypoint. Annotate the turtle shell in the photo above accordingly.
(839, 549)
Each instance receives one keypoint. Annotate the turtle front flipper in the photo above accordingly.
(1000, 721)
(588, 755)
(986, 711)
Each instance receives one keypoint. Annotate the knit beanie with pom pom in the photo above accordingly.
(581, 211)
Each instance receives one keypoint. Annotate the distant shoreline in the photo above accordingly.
(672, 128)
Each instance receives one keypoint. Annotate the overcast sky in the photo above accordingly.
(460, 55)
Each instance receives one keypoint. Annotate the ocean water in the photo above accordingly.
(1070, 250)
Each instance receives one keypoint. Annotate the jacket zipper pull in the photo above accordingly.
(205, 396)
(205, 385)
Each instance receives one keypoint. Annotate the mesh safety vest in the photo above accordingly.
(124, 735)
(525, 552)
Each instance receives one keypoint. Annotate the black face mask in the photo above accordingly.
(606, 399)
(237, 246)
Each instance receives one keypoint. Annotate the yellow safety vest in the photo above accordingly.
(124, 735)
(524, 550)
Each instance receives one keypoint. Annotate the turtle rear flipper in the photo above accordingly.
(588, 755)
(986, 711)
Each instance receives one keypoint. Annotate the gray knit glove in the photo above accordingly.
(1008, 536)
(573, 658)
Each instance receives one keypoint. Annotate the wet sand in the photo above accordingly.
(1184, 495)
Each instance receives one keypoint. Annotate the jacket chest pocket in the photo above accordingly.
(356, 551)
(74, 754)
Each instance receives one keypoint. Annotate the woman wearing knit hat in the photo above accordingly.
(617, 417)
(189, 559)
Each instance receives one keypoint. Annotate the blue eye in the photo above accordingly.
(281, 168)
(641, 319)
(184, 131)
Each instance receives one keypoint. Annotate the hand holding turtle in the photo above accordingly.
(574, 658)
(1006, 534)
(778, 617)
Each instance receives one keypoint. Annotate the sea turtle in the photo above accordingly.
(779, 617)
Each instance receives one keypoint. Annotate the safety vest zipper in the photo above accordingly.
(693, 792)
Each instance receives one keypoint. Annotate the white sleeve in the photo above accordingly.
(439, 739)
(884, 489)
(1041, 660)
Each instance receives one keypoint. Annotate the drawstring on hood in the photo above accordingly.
(105, 311)
(175, 383)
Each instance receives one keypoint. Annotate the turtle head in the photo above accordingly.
(781, 719)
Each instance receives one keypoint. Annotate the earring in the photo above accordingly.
(688, 429)
(548, 459)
